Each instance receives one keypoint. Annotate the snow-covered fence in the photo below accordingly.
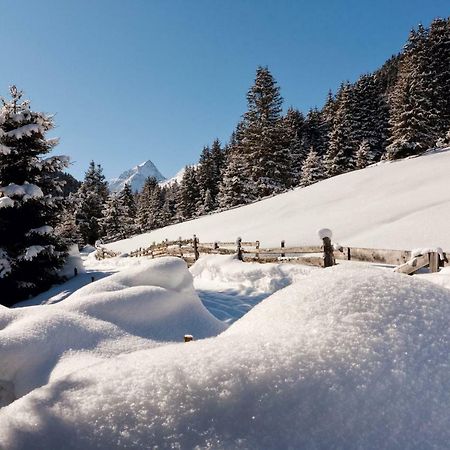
(252, 251)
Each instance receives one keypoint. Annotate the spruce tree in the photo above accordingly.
(312, 169)
(189, 194)
(92, 197)
(413, 115)
(30, 201)
(112, 221)
(262, 142)
(363, 156)
(150, 206)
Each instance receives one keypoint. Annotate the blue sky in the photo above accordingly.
(132, 80)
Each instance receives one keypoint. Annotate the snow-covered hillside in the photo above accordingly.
(135, 177)
(398, 205)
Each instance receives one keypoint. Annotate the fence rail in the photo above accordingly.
(251, 251)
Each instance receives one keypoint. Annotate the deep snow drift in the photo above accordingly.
(396, 205)
(140, 307)
(345, 358)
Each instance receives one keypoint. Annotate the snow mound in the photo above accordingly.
(126, 311)
(346, 358)
(227, 272)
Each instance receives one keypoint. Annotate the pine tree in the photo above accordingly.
(92, 197)
(342, 142)
(236, 187)
(112, 221)
(262, 143)
(189, 194)
(30, 201)
(312, 169)
(292, 124)
(438, 48)
(363, 157)
(150, 206)
(413, 116)
(128, 203)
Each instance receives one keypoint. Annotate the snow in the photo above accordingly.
(343, 358)
(26, 191)
(135, 177)
(45, 229)
(153, 301)
(73, 262)
(396, 205)
(325, 233)
(229, 288)
(176, 178)
(6, 202)
(5, 265)
(4, 150)
(32, 251)
(423, 251)
(26, 130)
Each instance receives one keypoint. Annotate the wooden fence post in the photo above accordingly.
(239, 249)
(282, 247)
(196, 253)
(433, 259)
(328, 256)
(349, 255)
(75, 272)
(188, 338)
(257, 249)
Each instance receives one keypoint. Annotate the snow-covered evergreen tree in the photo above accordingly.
(292, 124)
(236, 187)
(413, 115)
(128, 203)
(30, 202)
(150, 206)
(189, 194)
(262, 144)
(312, 169)
(92, 197)
(363, 156)
(111, 220)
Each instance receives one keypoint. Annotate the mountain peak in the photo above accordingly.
(135, 177)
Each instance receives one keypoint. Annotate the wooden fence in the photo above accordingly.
(191, 249)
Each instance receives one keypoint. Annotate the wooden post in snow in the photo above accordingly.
(188, 338)
(257, 249)
(196, 253)
(239, 249)
(282, 248)
(328, 256)
(433, 264)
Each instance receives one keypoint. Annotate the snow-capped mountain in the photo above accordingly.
(135, 177)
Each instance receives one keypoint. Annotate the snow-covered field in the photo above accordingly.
(284, 356)
(340, 358)
(396, 205)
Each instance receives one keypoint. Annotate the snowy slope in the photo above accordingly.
(135, 177)
(397, 205)
(345, 358)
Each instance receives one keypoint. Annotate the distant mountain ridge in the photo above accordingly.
(135, 177)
